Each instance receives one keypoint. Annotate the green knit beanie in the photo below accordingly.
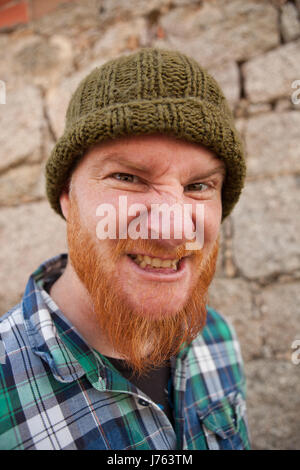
(151, 91)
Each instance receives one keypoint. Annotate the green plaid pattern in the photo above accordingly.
(57, 393)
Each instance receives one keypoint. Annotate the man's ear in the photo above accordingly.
(64, 199)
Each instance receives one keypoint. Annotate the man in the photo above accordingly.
(113, 345)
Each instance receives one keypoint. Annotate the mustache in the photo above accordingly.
(152, 248)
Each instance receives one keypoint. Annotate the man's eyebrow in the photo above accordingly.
(124, 161)
(217, 169)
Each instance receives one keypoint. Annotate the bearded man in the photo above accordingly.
(114, 345)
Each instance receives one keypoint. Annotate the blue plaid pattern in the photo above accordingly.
(57, 393)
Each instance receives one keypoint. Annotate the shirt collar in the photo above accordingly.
(46, 325)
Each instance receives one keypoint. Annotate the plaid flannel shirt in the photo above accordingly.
(57, 393)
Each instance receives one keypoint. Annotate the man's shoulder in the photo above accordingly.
(216, 382)
(12, 330)
(217, 350)
(218, 327)
(12, 318)
(219, 334)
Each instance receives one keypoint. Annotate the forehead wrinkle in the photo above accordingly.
(125, 160)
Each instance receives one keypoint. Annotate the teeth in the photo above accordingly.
(156, 262)
(167, 263)
(144, 261)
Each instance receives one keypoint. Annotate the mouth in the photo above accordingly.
(158, 267)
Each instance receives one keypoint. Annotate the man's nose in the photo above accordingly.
(170, 220)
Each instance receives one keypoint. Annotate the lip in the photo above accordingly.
(160, 276)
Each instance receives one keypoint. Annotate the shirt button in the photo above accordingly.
(143, 402)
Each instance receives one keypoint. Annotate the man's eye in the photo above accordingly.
(196, 187)
(127, 177)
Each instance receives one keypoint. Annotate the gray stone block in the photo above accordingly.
(273, 144)
(29, 234)
(270, 75)
(266, 228)
(273, 403)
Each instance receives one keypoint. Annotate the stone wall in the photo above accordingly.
(253, 50)
(14, 12)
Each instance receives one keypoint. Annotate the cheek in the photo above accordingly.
(213, 217)
(90, 202)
